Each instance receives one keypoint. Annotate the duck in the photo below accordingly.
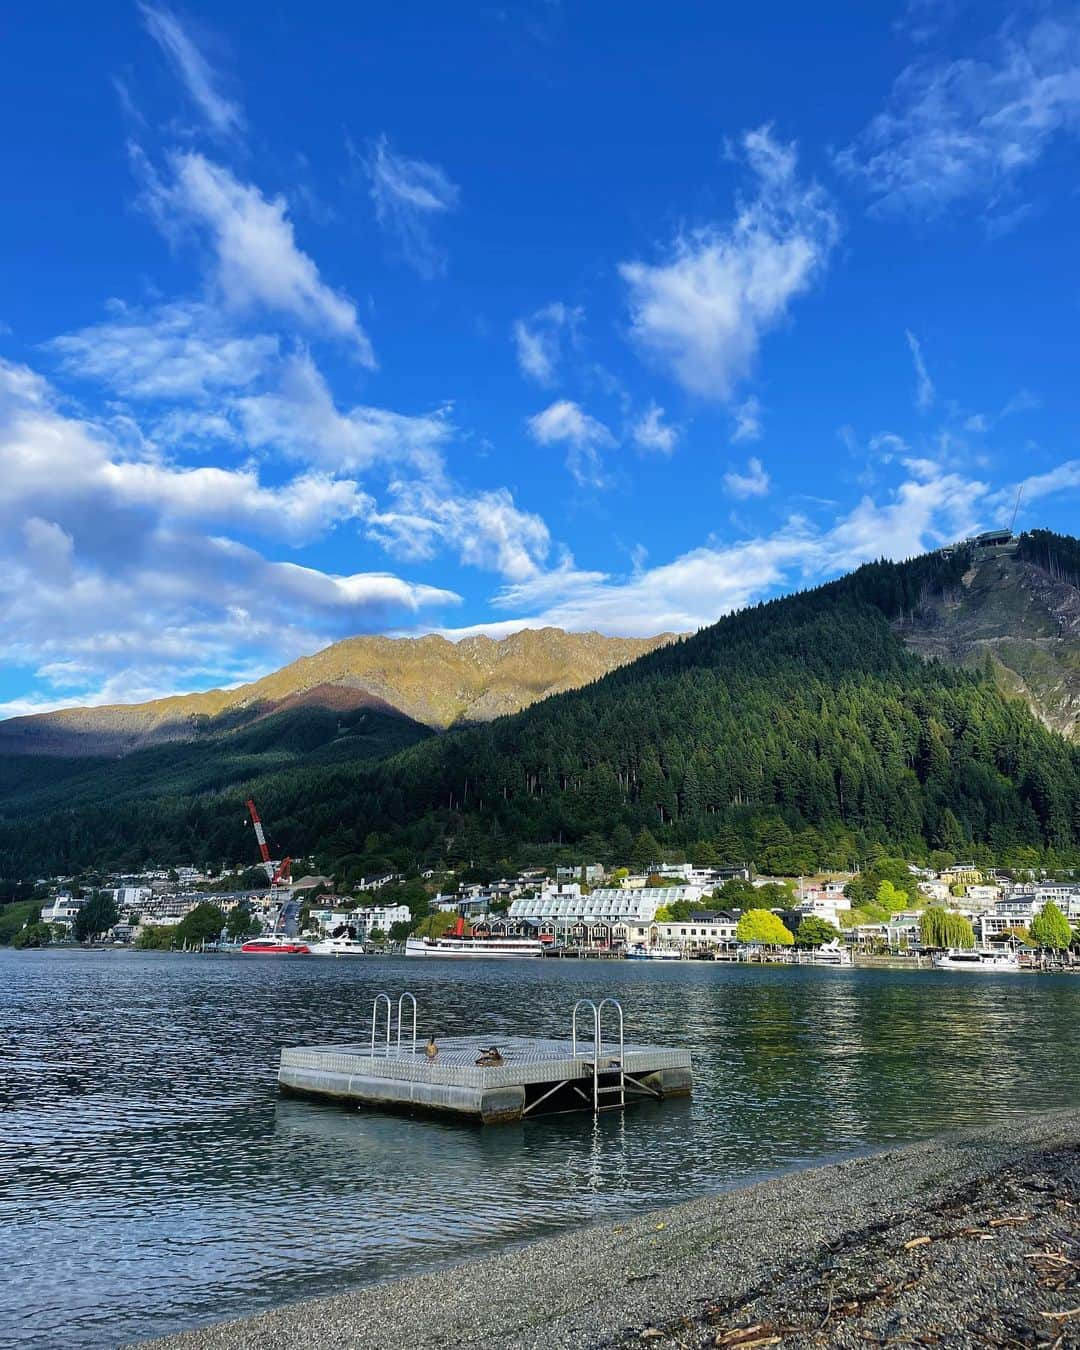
(431, 1049)
(490, 1056)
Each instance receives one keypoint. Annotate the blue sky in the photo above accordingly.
(324, 320)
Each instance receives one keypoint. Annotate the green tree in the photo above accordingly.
(435, 925)
(203, 924)
(941, 928)
(241, 923)
(377, 936)
(33, 935)
(890, 898)
(762, 925)
(645, 850)
(400, 931)
(813, 931)
(156, 937)
(96, 916)
(1050, 928)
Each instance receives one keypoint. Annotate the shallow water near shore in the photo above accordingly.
(151, 1178)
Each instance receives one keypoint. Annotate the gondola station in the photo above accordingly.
(471, 1078)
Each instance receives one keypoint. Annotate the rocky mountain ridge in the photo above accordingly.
(430, 680)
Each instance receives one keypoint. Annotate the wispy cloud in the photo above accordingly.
(968, 128)
(651, 432)
(408, 194)
(223, 114)
(747, 417)
(753, 483)
(176, 351)
(539, 340)
(927, 508)
(924, 385)
(703, 313)
(258, 265)
(566, 423)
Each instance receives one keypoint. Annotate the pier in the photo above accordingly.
(533, 1075)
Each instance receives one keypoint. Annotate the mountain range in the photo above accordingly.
(428, 680)
(918, 705)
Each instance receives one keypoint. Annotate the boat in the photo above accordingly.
(979, 959)
(831, 954)
(459, 945)
(337, 946)
(275, 944)
(639, 952)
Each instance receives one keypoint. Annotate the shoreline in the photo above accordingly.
(964, 1239)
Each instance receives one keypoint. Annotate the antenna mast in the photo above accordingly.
(1019, 494)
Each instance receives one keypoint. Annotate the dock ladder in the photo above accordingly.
(383, 1001)
(601, 1063)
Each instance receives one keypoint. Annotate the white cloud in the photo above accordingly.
(928, 508)
(487, 529)
(300, 419)
(651, 432)
(566, 423)
(969, 128)
(114, 560)
(539, 340)
(258, 265)
(1063, 478)
(178, 350)
(747, 416)
(200, 80)
(924, 385)
(408, 194)
(702, 314)
(753, 483)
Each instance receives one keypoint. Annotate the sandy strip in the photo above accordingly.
(831, 1256)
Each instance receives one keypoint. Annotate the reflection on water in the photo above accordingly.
(151, 1177)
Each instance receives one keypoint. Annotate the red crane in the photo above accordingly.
(284, 870)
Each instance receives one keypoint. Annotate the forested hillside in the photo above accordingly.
(795, 734)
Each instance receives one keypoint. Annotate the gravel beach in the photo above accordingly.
(967, 1240)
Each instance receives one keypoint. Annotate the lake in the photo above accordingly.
(151, 1178)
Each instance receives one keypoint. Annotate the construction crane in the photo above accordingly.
(283, 873)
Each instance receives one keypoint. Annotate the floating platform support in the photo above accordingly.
(533, 1075)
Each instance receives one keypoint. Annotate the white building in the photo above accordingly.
(709, 929)
(61, 910)
(606, 905)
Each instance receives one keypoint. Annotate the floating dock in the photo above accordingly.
(533, 1075)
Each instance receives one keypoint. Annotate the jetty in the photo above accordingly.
(457, 1075)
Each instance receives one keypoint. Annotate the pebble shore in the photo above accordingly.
(967, 1240)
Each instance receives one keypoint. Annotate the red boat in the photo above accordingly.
(276, 944)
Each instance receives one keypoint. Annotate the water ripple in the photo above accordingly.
(151, 1177)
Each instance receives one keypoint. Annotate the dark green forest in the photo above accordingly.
(795, 734)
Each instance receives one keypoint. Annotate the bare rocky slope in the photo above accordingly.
(429, 680)
(1023, 621)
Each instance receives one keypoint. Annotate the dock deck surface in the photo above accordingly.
(406, 1078)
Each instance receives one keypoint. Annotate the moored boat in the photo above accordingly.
(337, 946)
(639, 952)
(980, 959)
(275, 944)
(459, 945)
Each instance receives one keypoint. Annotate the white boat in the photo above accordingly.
(979, 959)
(476, 947)
(337, 946)
(831, 954)
(639, 952)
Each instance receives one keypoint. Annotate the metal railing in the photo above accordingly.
(383, 1001)
(611, 1062)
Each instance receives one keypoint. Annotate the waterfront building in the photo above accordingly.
(61, 910)
(567, 905)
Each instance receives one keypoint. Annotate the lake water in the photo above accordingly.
(151, 1178)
